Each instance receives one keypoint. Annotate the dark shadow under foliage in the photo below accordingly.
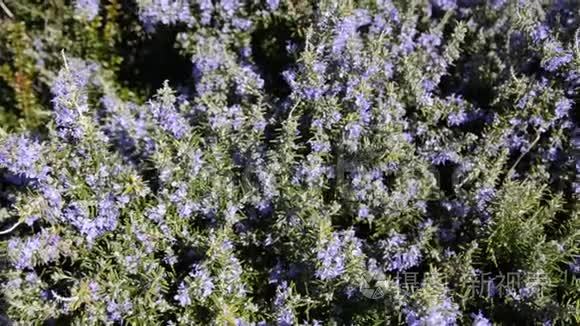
(269, 51)
(149, 59)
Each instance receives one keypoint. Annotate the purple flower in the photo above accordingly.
(273, 4)
(575, 265)
(231, 276)
(207, 62)
(185, 209)
(312, 171)
(69, 97)
(39, 248)
(444, 4)
(113, 310)
(203, 282)
(106, 219)
(88, 9)
(540, 33)
(206, 8)
(31, 219)
(333, 253)
(276, 273)
(312, 93)
(443, 314)
(229, 7)
(182, 295)
(429, 41)
(398, 254)
(406, 259)
(553, 153)
(557, 61)
(331, 259)
(227, 118)
(166, 115)
(484, 196)
(363, 212)
(480, 320)
(573, 81)
(52, 196)
(290, 78)
(354, 130)
(441, 158)
(241, 23)
(282, 294)
(456, 118)
(347, 29)
(166, 12)
(525, 292)
(526, 99)
(285, 317)
(247, 80)
(21, 156)
(196, 161)
(407, 44)
(538, 122)
(498, 4)
(94, 289)
(562, 107)
(515, 142)
(116, 311)
(320, 146)
(428, 85)
(157, 213)
(23, 252)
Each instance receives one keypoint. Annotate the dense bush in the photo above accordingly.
(290, 162)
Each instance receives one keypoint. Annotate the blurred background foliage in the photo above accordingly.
(34, 33)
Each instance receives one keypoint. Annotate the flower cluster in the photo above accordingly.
(87, 9)
(395, 153)
(165, 12)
